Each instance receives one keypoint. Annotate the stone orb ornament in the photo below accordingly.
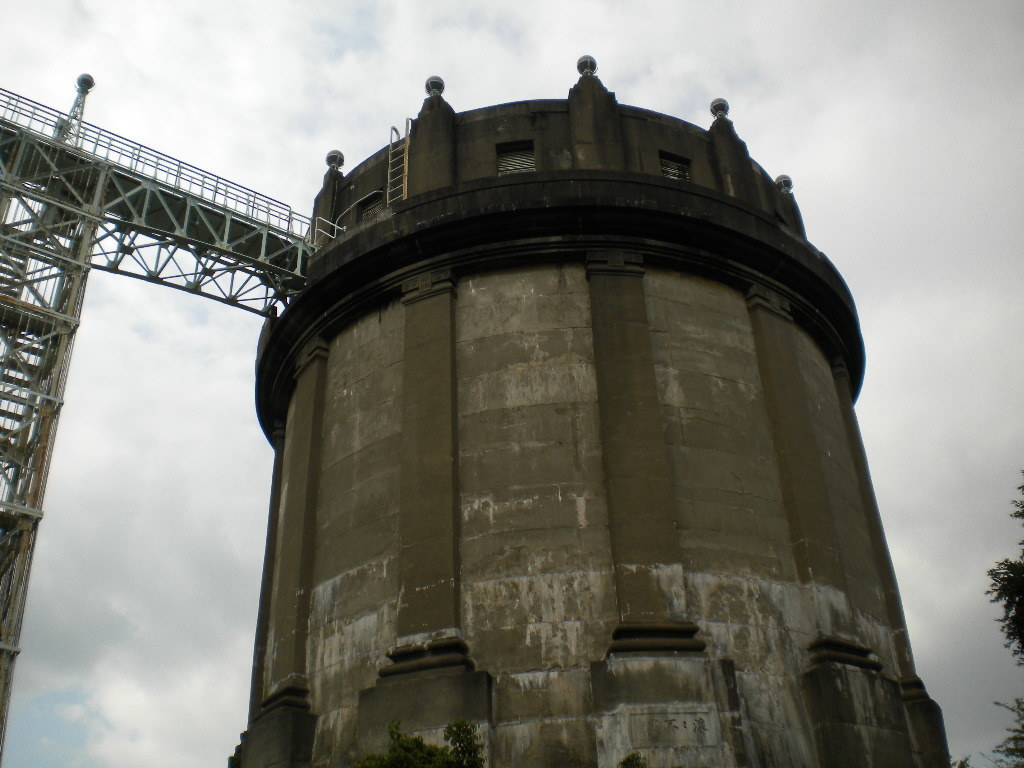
(335, 158)
(434, 86)
(784, 183)
(586, 65)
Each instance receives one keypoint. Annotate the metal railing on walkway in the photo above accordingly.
(154, 165)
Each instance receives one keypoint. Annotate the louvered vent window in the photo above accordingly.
(371, 207)
(673, 167)
(516, 157)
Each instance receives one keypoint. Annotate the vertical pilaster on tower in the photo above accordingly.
(924, 716)
(281, 732)
(428, 608)
(805, 495)
(296, 535)
(431, 662)
(258, 690)
(595, 123)
(325, 205)
(733, 164)
(893, 607)
(432, 143)
(787, 200)
(641, 521)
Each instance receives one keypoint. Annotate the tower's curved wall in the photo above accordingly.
(570, 453)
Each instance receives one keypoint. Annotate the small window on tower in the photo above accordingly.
(674, 167)
(516, 157)
(371, 207)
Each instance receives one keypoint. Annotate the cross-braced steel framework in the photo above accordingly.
(74, 197)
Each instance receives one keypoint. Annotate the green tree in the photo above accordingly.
(1008, 588)
(464, 749)
(1012, 748)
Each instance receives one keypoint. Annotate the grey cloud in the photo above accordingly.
(899, 123)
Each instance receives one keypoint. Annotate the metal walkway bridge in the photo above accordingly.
(73, 198)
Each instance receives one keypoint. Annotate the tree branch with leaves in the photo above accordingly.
(1008, 589)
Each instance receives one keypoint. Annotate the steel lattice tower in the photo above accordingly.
(74, 197)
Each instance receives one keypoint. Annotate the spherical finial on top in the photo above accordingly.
(85, 82)
(720, 108)
(335, 158)
(586, 65)
(784, 183)
(434, 86)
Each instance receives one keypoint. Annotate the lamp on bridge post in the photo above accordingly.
(68, 127)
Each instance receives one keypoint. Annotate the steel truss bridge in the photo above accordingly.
(73, 198)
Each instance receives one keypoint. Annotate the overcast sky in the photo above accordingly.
(900, 123)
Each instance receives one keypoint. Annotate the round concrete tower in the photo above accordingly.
(565, 446)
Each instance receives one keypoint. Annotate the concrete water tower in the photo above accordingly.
(565, 446)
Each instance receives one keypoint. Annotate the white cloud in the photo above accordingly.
(898, 121)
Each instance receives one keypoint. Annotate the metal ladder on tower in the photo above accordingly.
(398, 165)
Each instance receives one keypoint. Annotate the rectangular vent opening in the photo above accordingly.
(371, 207)
(516, 157)
(674, 167)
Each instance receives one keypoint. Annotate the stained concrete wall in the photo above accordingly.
(537, 592)
(738, 575)
(352, 622)
(570, 453)
(853, 542)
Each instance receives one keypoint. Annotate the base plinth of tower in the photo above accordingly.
(424, 702)
(671, 708)
(857, 716)
(926, 727)
(282, 735)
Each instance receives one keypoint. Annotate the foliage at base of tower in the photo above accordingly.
(464, 749)
(1008, 588)
(636, 760)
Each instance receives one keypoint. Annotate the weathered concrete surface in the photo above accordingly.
(737, 569)
(352, 622)
(638, 483)
(428, 531)
(296, 528)
(538, 600)
(751, 497)
(859, 719)
(678, 709)
(578, 462)
(424, 703)
(281, 737)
